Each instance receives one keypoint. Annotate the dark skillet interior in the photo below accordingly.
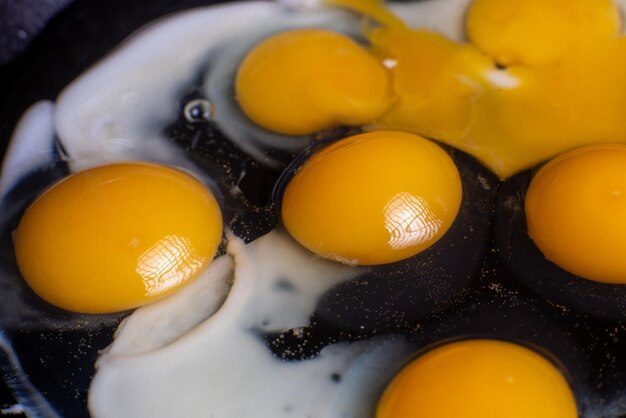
(488, 295)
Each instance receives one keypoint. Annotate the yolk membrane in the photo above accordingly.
(303, 81)
(478, 379)
(373, 198)
(576, 212)
(116, 237)
(539, 32)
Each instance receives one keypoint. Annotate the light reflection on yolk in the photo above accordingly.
(478, 379)
(168, 264)
(116, 237)
(410, 221)
(373, 198)
(576, 212)
(303, 81)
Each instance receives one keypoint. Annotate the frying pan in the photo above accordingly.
(56, 358)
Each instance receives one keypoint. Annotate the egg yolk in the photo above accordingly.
(303, 81)
(478, 379)
(511, 119)
(539, 32)
(564, 84)
(116, 237)
(437, 82)
(373, 198)
(576, 212)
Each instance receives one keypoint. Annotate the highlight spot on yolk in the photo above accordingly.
(538, 32)
(478, 379)
(116, 237)
(576, 212)
(302, 81)
(373, 198)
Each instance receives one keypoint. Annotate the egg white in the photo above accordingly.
(222, 367)
(31, 145)
(118, 108)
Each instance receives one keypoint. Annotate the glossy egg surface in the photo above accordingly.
(276, 322)
(112, 238)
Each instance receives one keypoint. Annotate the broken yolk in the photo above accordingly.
(436, 81)
(373, 198)
(303, 81)
(510, 119)
(576, 212)
(563, 84)
(479, 379)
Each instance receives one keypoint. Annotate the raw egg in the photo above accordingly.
(116, 237)
(511, 97)
(373, 198)
(176, 357)
(235, 92)
(299, 82)
(525, 262)
(479, 379)
(576, 212)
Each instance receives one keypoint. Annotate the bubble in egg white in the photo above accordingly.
(162, 364)
(220, 75)
(133, 94)
(119, 108)
(198, 110)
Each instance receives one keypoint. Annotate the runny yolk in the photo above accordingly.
(116, 237)
(538, 78)
(437, 82)
(373, 198)
(511, 118)
(478, 379)
(576, 212)
(302, 81)
(539, 32)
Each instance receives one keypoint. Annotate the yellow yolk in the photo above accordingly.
(303, 81)
(478, 379)
(509, 119)
(436, 81)
(373, 198)
(538, 32)
(553, 109)
(116, 237)
(576, 212)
